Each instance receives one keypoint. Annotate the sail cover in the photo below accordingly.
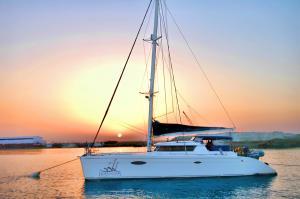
(167, 128)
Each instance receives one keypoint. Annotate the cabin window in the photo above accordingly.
(197, 162)
(175, 148)
(138, 162)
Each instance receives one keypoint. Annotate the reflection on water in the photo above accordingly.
(67, 181)
(180, 188)
(21, 151)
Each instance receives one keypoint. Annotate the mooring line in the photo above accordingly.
(291, 165)
(37, 174)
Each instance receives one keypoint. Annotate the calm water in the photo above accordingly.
(67, 181)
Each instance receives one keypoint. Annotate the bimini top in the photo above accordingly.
(214, 137)
(171, 128)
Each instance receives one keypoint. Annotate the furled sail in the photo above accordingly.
(171, 128)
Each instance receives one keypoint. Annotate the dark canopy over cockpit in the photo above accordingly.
(166, 128)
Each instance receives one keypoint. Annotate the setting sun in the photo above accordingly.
(119, 135)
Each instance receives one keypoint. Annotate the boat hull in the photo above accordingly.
(116, 166)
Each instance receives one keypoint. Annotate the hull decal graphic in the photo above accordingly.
(111, 169)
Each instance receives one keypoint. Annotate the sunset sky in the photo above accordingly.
(60, 61)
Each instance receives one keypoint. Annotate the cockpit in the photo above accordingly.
(214, 142)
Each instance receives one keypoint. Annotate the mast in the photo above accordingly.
(152, 75)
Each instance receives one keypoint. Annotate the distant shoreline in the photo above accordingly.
(268, 144)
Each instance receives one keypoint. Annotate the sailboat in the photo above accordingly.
(197, 157)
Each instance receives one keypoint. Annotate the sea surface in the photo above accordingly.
(67, 181)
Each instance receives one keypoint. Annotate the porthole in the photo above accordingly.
(138, 162)
(197, 162)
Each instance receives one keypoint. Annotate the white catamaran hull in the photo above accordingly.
(125, 166)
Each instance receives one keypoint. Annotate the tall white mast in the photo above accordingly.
(152, 75)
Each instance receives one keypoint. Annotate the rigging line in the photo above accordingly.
(146, 59)
(157, 74)
(187, 117)
(133, 130)
(165, 91)
(163, 66)
(191, 108)
(113, 95)
(147, 23)
(156, 69)
(142, 113)
(201, 68)
(171, 66)
(130, 125)
(155, 105)
(172, 79)
(171, 89)
(170, 76)
(188, 106)
(163, 115)
(146, 69)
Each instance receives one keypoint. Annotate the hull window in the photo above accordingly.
(138, 162)
(197, 162)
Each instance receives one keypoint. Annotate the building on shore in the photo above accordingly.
(22, 142)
